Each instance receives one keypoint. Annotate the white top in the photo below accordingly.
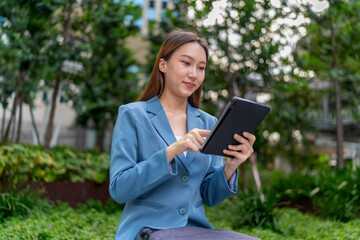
(177, 139)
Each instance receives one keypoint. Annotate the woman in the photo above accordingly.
(156, 167)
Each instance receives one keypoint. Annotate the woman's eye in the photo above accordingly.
(186, 63)
(202, 68)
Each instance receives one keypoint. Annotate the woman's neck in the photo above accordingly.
(173, 104)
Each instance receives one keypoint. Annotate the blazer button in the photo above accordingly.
(185, 178)
(182, 211)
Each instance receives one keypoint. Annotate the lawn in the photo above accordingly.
(92, 221)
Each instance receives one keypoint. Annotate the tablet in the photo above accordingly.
(240, 115)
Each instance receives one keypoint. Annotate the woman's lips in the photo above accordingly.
(189, 84)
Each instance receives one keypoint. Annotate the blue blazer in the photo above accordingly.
(158, 194)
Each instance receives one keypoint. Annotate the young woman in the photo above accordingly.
(156, 167)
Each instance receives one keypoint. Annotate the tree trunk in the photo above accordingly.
(34, 123)
(293, 159)
(100, 136)
(243, 176)
(55, 136)
(13, 112)
(50, 125)
(21, 91)
(3, 122)
(256, 176)
(18, 135)
(339, 125)
(14, 120)
(45, 117)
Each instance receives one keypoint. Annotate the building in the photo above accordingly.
(326, 142)
(151, 10)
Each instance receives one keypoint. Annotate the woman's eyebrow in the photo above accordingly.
(184, 55)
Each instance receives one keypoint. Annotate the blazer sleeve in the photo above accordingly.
(214, 187)
(128, 177)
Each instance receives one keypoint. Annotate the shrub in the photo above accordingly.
(23, 163)
(337, 195)
(19, 203)
(333, 194)
(296, 186)
(249, 210)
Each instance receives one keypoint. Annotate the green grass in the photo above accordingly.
(91, 221)
(61, 222)
(294, 225)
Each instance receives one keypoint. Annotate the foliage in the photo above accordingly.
(333, 194)
(293, 187)
(250, 211)
(337, 194)
(22, 163)
(331, 49)
(17, 203)
(298, 226)
(108, 80)
(78, 51)
(27, 34)
(62, 222)
(246, 42)
(292, 104)
(91, 221)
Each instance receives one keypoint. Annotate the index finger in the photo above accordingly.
(203, 132)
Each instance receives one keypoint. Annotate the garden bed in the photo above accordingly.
(76, 192)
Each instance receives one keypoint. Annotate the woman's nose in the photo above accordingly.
(193, 73)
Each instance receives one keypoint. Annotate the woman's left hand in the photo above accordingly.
(239, 152)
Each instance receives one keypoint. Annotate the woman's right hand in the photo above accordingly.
(192, 141)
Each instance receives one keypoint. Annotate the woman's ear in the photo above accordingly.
(162, 65)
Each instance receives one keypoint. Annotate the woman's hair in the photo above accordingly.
(172, 42)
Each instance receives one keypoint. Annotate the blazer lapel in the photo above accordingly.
(193, 121)
(161, 124)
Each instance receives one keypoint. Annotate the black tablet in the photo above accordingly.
(240, 115)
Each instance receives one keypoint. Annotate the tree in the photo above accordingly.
(108, 79)
(331, 48)
(26, 31)
(64, 49)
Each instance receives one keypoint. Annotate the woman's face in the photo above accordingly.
(185, 70)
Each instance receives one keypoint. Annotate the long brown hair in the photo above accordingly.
(171, 43)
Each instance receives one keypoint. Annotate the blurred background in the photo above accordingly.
(67, 65)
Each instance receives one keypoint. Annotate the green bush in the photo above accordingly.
(292, 188)
(245, 209)
(334, 194)
(249, 210)
(337, 194)
(12, 204)
(22, 163)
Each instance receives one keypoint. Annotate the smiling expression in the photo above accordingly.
(185, 70)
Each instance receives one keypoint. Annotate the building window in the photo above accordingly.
(152, 4)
